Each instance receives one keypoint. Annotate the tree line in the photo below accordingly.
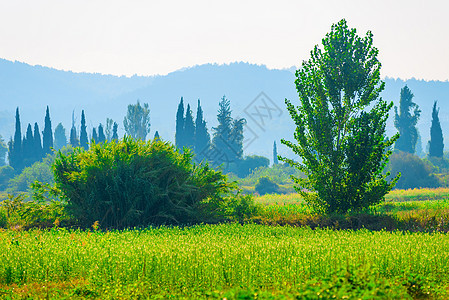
(405, 120)
(224, 148)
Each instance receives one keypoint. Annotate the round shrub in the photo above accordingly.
(134, 183)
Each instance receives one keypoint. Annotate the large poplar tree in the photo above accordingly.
(436, 145)
(405, 121)
(340, 124)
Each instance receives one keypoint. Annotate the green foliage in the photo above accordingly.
(340, 124)
(137, 121)
(39, 171)
(436, 144)
(60, 137)
(266, 186)
(415, 172)
(405, 122)
(280, 173)
(133, 183)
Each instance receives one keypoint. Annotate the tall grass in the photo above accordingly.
(198, 259)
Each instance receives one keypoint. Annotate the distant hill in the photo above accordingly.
(31, 88)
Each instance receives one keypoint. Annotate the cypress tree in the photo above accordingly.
(114, 132)
(60, 137)
(84, 141)
(47, 135)
(202, 137)
(15, 146)
(189, 129)
(101, 136)
(156, 136)
(74, 141)
(108, 129)
(405, 122)
(3, 151)
(94, 136)
(28, 147)
(275, 154)
(37, 143)
(237, 139)
(221, 140)
(179, 134)
(436, 144)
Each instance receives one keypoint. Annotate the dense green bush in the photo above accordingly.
(266, 186)
(415, 172)
(133, 183)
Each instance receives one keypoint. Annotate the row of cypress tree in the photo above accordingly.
(227, 142)
(23, 151)
(405, 121)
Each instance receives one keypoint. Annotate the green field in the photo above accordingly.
(223, 261)
(406, 255)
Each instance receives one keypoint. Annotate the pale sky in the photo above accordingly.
(158, 37)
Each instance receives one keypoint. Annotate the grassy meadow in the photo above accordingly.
(405, 256)
(229, 261)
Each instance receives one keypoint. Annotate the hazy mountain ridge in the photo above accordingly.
(31, 88)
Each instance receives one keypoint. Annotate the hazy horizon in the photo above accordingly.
(157, 38)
